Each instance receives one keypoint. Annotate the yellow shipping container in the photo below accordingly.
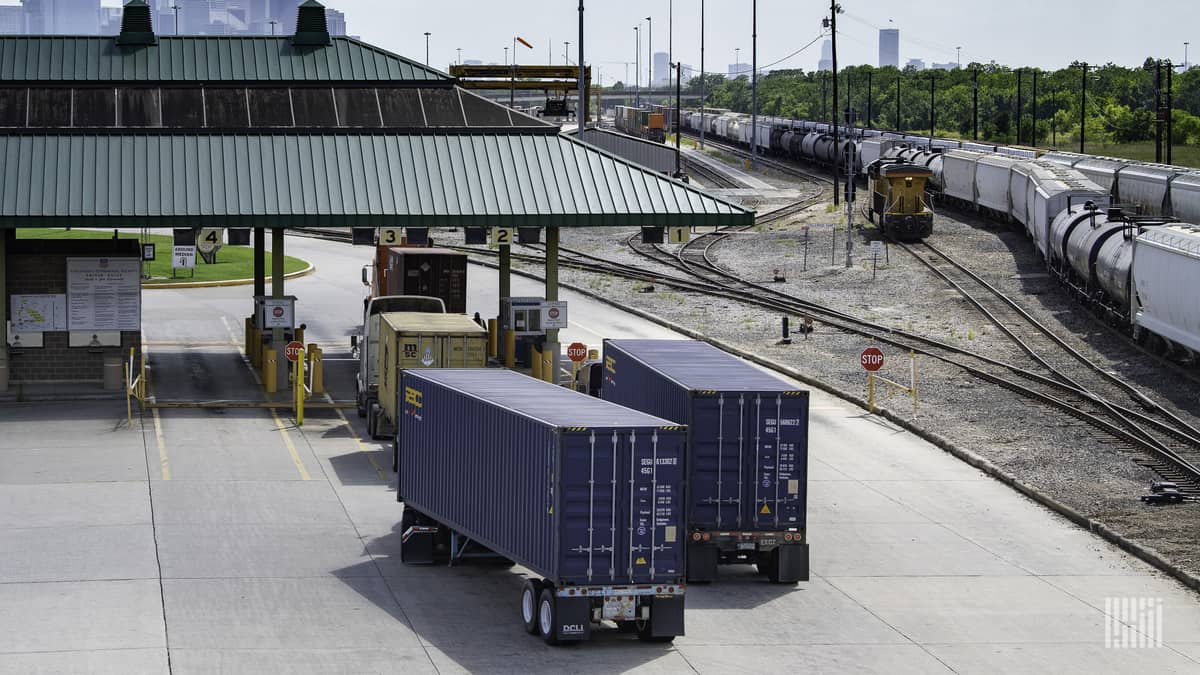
(423, 340)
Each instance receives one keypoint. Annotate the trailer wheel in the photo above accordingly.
(547, 617)
(530, 601)
(371, 422)
(360, 405)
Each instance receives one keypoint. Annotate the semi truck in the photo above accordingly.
(586, 494)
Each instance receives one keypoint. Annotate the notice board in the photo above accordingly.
(104, 294)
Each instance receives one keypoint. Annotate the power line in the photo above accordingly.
(789, 56)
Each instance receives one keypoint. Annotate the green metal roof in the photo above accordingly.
(367, 180)
(203, 59)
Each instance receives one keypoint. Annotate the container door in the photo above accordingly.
(653, 503)
(718, 461)
(465, 351)
(591, 471)
(778, 442)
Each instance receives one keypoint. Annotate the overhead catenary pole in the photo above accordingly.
(637, 67)
(1034, 112)
(1158, 110)
(754, 85)
(1170, 115)
(671, 42)
(678, 78)
(649, 54)
(1019, 108)
(897, 101)
(867, 120)
(932, 103)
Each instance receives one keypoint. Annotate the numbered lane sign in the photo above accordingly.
(389, 236)
(503, 236)
(678, 235)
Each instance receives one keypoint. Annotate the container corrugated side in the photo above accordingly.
(424, 340)
(435, 272)
(748, 440)
(585, 505)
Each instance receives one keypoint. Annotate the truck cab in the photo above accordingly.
(366, 341)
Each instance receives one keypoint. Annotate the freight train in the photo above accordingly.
(1119, 233)
(641, 122)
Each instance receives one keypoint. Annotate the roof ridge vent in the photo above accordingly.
(312, 28)
(137, 28)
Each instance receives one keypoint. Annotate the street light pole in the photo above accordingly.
(1019, 111)
(737, 62)
(637, 67)
(754, 85)
(678, 77)
(175, 8)
(649, 54)
(459, 50)
(566, 52)
(582, 109)
(427, 34)
(959, 51)
(975, 103)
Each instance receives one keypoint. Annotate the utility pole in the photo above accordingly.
(1158, 112)
(582, 109)
(1083, 108)
(1019, 70)
(897, 102)
(824, 95)
(427, 34)
(649, 54)
(671, 47)
(831, 24)
(1035, 109)
(848, 160)
(975, 103)
(175, 8)
(754, 85)
(1170, 115)
(867, 121)
(702, 123)
(932, 101)
(459, 50)
(678, 77)
(566, 53)
(637, 66)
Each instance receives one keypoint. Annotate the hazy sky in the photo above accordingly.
(1042, 33)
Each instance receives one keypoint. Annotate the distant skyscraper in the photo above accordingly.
(661, 69)
(944, 66)
(917, 64)
(195, 17)
(737, 70)
(336, 21)
(826, 62)
(12, 20)
(889, 47)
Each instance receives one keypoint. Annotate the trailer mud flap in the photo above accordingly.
(574, 618)
(793, 563)
(666, 615)
(702, 562)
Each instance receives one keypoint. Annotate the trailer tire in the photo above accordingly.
(547, 617)
(530, 603)
(360, 405)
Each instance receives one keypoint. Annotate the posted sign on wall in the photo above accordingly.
(104, 294)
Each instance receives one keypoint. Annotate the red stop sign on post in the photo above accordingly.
(871, 359)
(292, 350)
(577, 352)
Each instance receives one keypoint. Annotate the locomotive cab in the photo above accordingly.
(898, 199)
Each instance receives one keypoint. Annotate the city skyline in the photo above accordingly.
(169, 17)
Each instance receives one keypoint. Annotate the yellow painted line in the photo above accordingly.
(163, 463)
(358, 441)
(291, 447)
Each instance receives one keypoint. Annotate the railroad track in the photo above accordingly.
(711, 176)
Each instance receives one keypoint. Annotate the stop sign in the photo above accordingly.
(293, 349)
(577, 352)
(871, 359)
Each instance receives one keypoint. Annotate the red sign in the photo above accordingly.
(577, 352)
(552, 312)
(871, 359)
(292, 350)
(278, 312)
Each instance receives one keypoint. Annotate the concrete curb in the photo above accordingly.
(228, 282)
(1143, 553)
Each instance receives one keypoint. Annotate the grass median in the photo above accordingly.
(232, 262)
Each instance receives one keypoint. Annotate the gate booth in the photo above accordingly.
(294, 131)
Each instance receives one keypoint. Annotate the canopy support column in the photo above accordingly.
(551, 347)
(4, 236)
(505, 282)
(260, 267)
(278, 339)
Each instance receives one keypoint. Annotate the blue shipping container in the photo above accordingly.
(748, 449)
(585, 493)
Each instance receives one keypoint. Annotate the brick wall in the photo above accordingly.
(39, 266)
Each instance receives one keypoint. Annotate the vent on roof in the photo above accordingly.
(311, 26)
(136, 27)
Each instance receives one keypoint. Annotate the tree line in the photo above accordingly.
(1120, 101)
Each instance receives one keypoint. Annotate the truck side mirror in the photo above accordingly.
(353, 342)
(366, 270)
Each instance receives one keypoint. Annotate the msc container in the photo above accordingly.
(747, 450)
(434, 272)
(586, 494)
(420, 340)
(1166, 270)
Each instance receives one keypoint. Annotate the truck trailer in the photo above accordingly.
(419, 340)
(586, 494)
(747, 450)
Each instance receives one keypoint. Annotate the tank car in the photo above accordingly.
(898, 201)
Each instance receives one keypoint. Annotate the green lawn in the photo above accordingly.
(233, 262)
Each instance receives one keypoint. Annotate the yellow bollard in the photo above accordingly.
(253, 343)
(316, 360)
(298, 389)
(593, 354)
(547, 369)
(268, 368)
(493, 338)
(510, 349)
(535, 363)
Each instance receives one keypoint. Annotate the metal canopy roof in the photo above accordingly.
(203, 59)
(368, 180)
